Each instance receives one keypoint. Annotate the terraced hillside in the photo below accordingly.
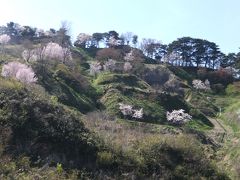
(68, 125)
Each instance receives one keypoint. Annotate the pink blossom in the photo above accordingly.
(95, 68)
(127, 66)
(19, 71)
(110, 65)
(4, 39)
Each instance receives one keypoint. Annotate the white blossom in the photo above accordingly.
(127, 110)
(95, 68)
(84, 39)
(198, 84)
(19, 71)
(129, 56)
(29, 55)
(138, 114)
(4, 39)
(55, 51)
(26, 75)
(127, 66)
(113, 42)
(109, 65)
(178, 116)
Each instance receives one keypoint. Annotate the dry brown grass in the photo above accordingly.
(124, 133)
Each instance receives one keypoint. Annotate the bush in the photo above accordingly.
(220, 76)
(218, 88)
(156, 77)
(109, 53)
(231, 90)
(105, 159)
(40, 128)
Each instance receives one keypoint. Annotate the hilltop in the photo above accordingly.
(85, 111)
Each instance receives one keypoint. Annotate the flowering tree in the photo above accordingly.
(4, 39)
(127, 110)
(113, 42)
(129, 56)
(83, 40)
(127, 66)
(178, 116)
(95, 68)
(172, 58)
(28, 55)
(50, 50)
(19, 71)
(110, 65)
(138, 114)
(55, 51)
(198, 84)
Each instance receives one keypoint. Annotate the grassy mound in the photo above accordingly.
(70, 88)
(34, 124)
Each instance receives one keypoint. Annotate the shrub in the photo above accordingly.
(109, 53)
(105, 159)
(220, 76)
(157, 76)
(218, 88)
(231, 90)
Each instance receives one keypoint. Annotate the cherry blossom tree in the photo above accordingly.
(20, 71)
(172, 58)
(28, 55)
(129, 56)
(26, 75)
(4, 39)
(127, 66)
(112, 42)
(178, 116)
(109, 65)
(83, 40)
(127, 110)
(95, 68)
(55, 51)
(138, 114)
(198, 84)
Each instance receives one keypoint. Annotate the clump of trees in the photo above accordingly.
(178, 117)
(20, 33)
(19, 71)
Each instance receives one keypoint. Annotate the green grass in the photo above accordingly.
(120, 79)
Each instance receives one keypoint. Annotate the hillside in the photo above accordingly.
(68, 123)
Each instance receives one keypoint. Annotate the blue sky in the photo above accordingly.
(165, 20)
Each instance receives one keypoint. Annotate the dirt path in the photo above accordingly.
(220, 132)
